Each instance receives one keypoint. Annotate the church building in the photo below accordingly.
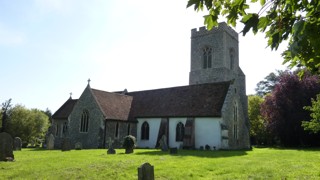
(211, 111)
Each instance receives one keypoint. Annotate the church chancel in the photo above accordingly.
(209, 112)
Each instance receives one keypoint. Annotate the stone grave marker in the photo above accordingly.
(111, 150)
(66, 144)
(78, 146)
(174, 150)
(146, 172)
(6, 147)
(163, 143)
(50, 142)
(17, 144)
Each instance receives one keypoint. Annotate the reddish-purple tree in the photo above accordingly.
(283, 109)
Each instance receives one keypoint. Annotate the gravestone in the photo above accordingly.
(66, 144)
(146, 172)
(50, 142)
(163, 143)
(111, 150)
(6, 147)
(78, 146)
(17, 144)
(174, 150)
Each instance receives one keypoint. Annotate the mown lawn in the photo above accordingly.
(260, 163)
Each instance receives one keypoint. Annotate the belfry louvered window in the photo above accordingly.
(207, 57)
(84, 123)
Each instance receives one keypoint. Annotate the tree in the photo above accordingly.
(4, 115)
(314, 124)
(258, 132)
(283, 109)
(265, 86)
(279, 20)
(29, 125)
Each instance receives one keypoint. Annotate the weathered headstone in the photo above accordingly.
(163, 143)
(17, 144)
(146, 172)
(66, 144)
(50, 142)
(6, 147)
(111, 150)
(174, 150)
(78, 146)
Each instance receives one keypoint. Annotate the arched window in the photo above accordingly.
(84, 123)
(129, 129)
(235, 121)
(145, 131)
(232, 57)
(179, 131)
(117, 130)
(57, 129)
(65, 128)
(207, 57)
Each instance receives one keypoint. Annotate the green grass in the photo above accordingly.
(260, 163)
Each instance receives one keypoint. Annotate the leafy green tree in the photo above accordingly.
(314, 124)
(29, 125)
(265, 86)
(279, 20)
(258, 132)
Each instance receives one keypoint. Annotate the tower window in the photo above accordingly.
(145, 131)
(232, 54)
(207, 57)
(84, 123)
(235, 122)
(179, 131)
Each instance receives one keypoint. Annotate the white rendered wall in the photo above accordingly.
(172, 131)
(208, 131)
(154, 125)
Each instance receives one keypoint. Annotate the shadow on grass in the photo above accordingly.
(197, 153)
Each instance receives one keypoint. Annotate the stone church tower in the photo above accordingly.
(215, 58)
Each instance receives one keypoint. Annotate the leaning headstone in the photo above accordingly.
(66, 144)
(6, 147)
(17, 144)
(78, 146)
(111, 150)
(174, 150)
(50, 142)
(163, 143)
(146, 172)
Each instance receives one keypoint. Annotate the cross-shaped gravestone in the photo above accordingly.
(146, 172)
(110, 142)
(110, 147)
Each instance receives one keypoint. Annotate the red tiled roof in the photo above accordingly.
(113, 105)
(64, 111)
(186, 101)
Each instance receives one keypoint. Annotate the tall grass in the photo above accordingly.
(263, 163)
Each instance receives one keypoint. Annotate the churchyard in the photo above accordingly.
(259, 163)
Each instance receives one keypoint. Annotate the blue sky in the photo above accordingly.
(49, 48)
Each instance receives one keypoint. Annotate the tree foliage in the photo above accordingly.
(29, 125)
(314, 124)
(4, 115)
(258, 131)
(266, 86)
(279, 20)
(283, 109)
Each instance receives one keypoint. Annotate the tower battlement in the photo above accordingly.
(222, 27)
